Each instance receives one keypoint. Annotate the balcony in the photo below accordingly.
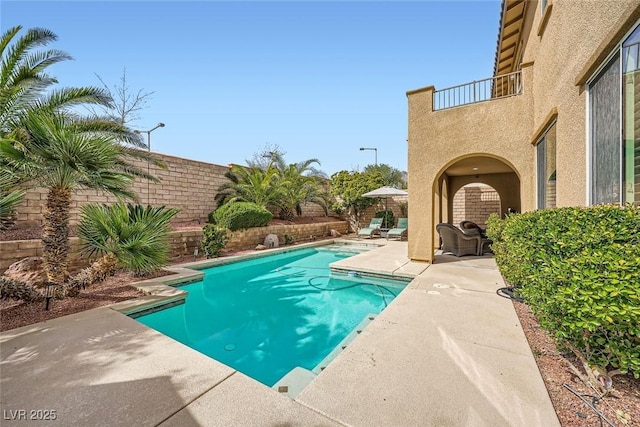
(478, 91)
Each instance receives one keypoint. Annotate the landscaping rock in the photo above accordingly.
(335, 233)
(271, 241)
(29, 271)
(260, 247)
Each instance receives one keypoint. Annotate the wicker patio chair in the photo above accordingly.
(457, 242)
(470, 228)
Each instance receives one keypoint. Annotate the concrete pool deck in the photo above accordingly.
(447, 351)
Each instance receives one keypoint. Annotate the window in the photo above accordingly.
(631, 118)
(614, 118)
(546, 168)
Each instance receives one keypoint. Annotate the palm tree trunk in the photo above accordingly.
(55, 235)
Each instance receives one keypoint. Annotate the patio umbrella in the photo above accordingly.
(385, 192)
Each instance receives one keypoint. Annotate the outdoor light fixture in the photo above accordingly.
(148, 132)
(371, 148)
(48, 294)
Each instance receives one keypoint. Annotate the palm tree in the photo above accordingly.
(22, 77)
(137, 237)
(64, 153)
(250, 184)
(299, 184)
(43, 143)
(10, 198)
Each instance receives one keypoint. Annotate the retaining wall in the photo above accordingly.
(183, 243)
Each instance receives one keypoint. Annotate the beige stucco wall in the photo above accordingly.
(573, 34)
(505, 128)
(498, 129)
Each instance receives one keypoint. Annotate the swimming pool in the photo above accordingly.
(268, 315)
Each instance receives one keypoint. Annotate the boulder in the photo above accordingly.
(29, 270)
(335, 233)
(271, 241)
(260, 247)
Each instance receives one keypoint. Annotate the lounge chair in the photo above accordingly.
(373, 228)
(400, 230)
(457, 242)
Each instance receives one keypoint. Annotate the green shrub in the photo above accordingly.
(387, 218)
(214, 239)
(288, 240)
(241, 215)
(211, 217)
(579, 270)
(137, 236)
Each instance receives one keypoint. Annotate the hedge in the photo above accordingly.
(241, 215)
(579, 270)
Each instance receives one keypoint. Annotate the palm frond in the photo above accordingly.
(136, 235)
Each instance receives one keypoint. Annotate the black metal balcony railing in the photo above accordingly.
(478, 91)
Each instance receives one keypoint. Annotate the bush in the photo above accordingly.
(214, 239)
(579, 270)
(387, 218)
(211, 217)
(241, 215)
(137, 236)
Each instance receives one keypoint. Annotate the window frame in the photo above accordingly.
(541, 178)
(616, 51)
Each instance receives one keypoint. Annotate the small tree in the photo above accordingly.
(127, 103)
(391, 177)
(348, 188)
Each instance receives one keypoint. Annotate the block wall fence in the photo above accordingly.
(188, 185)
(475, 203)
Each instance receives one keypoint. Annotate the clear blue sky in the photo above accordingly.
(319, 79)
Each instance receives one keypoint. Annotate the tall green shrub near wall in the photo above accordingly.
(579, 270)
(241, 215)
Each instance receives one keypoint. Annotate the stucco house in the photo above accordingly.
(558, 124)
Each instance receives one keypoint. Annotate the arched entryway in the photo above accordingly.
(495, 174)
(475, 202)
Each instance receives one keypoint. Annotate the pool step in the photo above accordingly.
(298, 378)
(294, 382)
(343, 344)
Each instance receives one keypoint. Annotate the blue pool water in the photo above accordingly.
(266, 316)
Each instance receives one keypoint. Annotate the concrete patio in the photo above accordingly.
(447, 351)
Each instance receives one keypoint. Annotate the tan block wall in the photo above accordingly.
(250, 238)
(185, 184)
(15, 250)
(183, 243)
(475, 204)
